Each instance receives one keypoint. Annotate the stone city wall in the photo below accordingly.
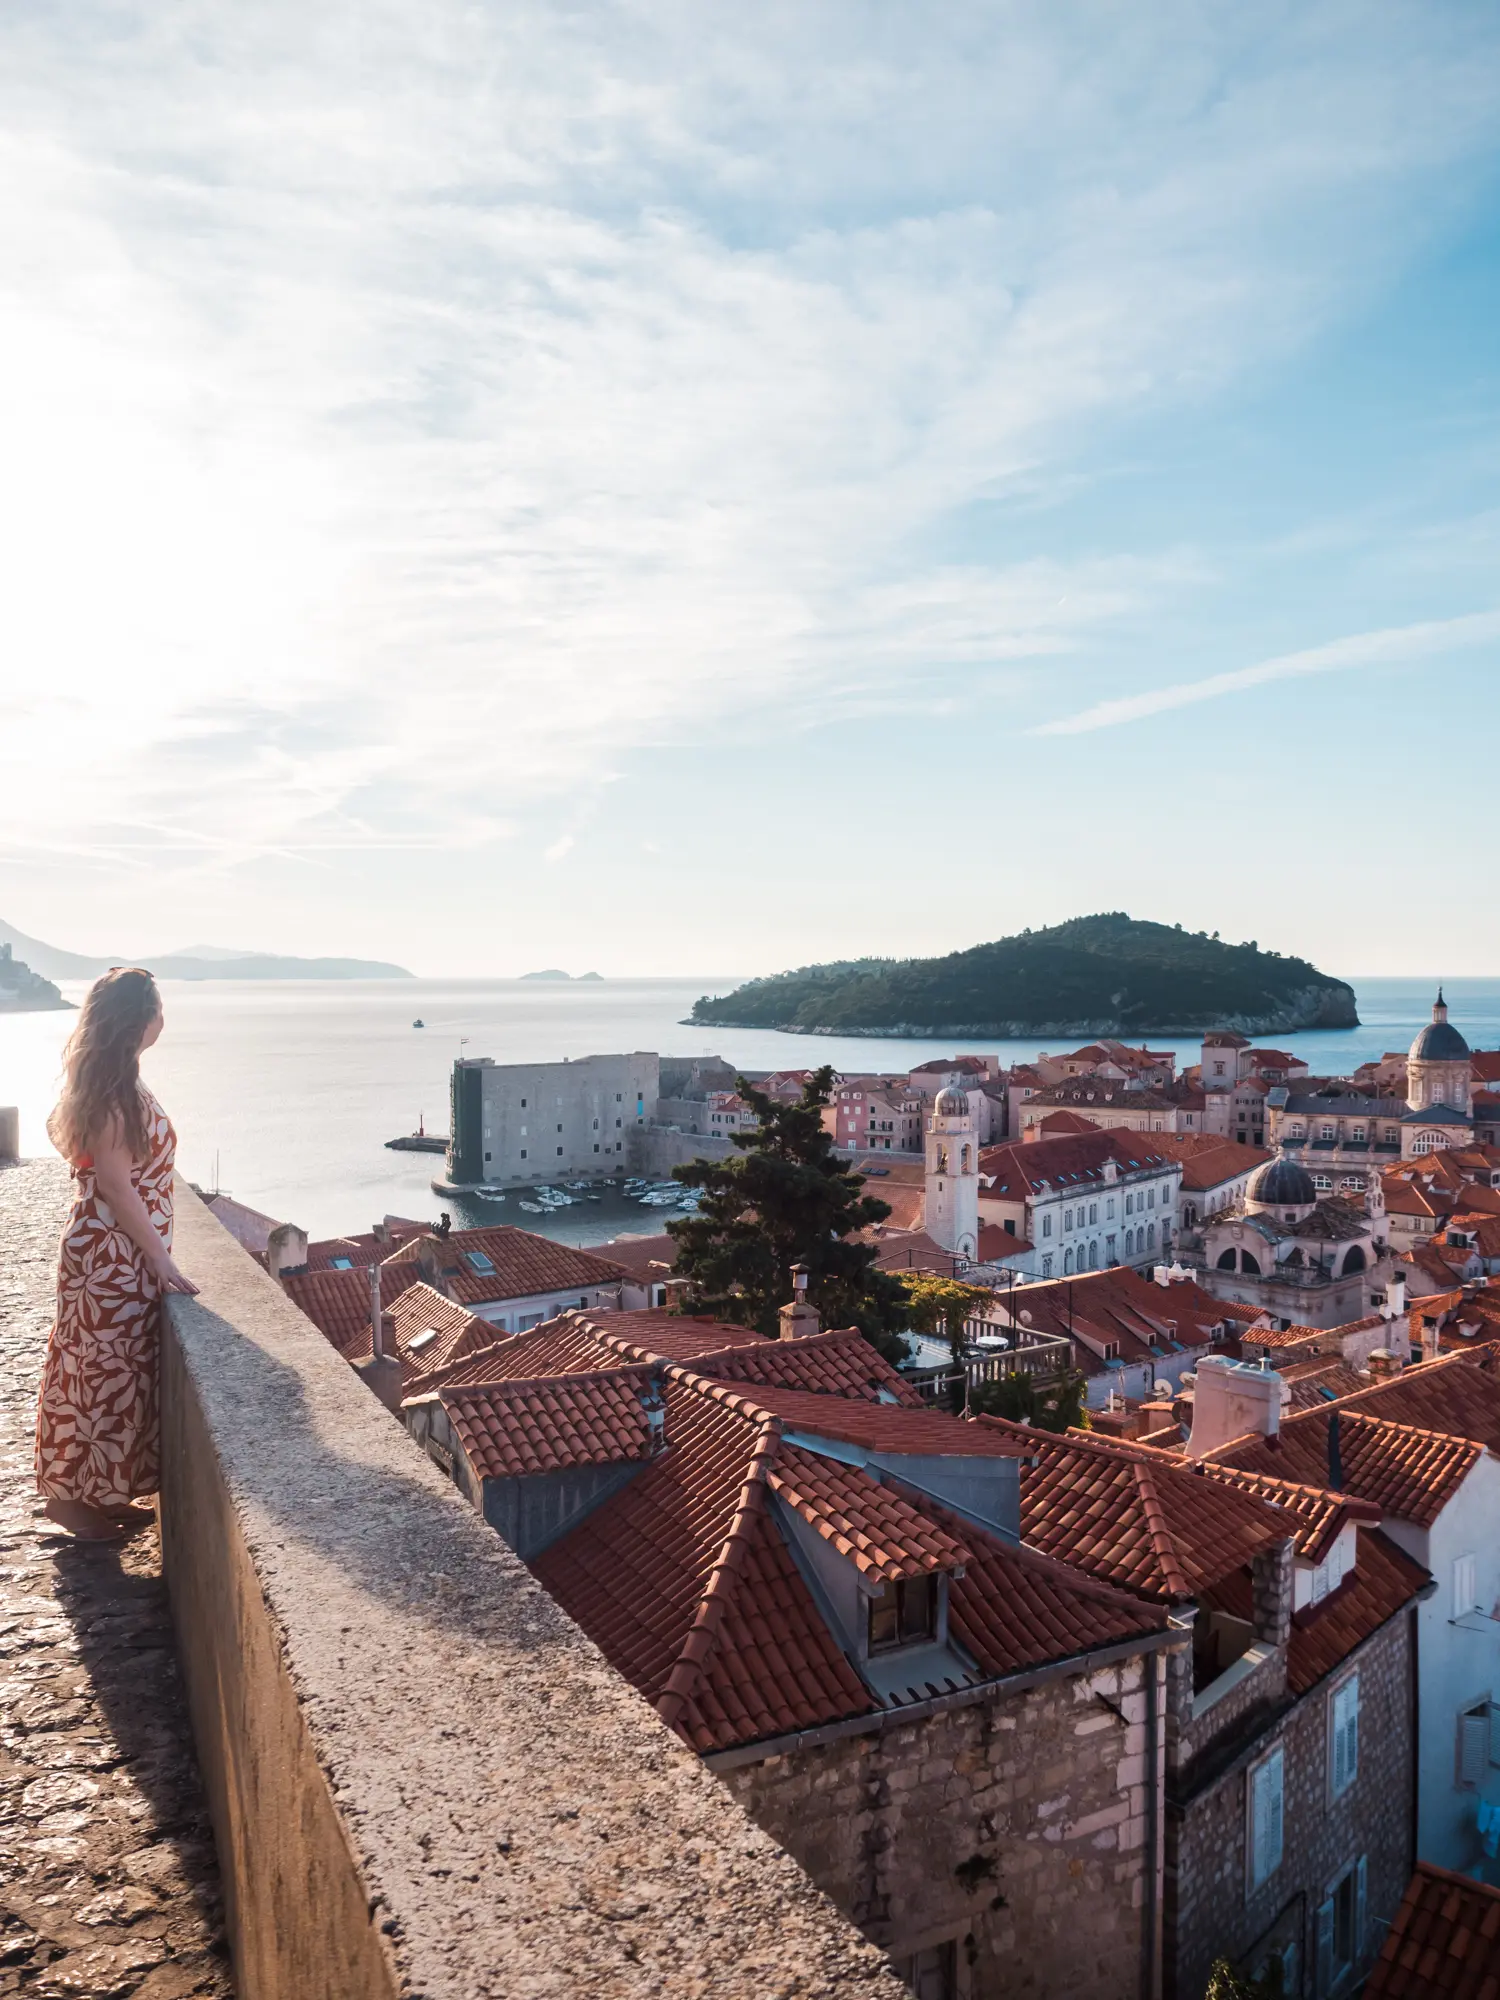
(423, 1778)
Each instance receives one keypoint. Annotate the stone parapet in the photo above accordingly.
(424, 1779)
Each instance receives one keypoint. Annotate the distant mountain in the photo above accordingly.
(47, 960)
(1103, 975)
(23, 991)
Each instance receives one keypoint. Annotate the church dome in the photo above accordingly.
(1281, 1183)
(1439, 1041)
(951, 1103)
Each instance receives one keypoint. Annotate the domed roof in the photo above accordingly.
(1281, 1183)
(951, 1103)
(1439, 1041)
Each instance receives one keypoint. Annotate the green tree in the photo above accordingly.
(1224, 1983)
(1057, 1405)
(941, 1305)
(786, 1199)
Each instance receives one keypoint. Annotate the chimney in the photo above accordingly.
(798, 1319)
(1383, 1363)
(286, 1250)
(1231, 1399)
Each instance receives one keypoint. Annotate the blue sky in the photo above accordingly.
(629, 487)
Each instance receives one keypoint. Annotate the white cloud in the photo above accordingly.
(1398, 645)
(409, 411)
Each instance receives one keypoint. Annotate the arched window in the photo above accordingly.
(1249, 1265)
(1150, 1235)
(1190, 1217)
(964, 1161)
(1067, 1263)
(1226, 1261)
(1355, 1261)
(1093, 1256)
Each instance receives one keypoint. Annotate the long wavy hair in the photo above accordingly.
(102, 1065)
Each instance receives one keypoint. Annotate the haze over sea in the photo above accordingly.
(289, 1090)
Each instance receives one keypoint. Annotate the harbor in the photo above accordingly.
(578, 1212)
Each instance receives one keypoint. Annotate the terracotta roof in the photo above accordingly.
(510, 1430)
(686, 1582)
(363, 1250)
(1119, 1301)
(1058, 1124)
(689, 1589)
(880, 1427)
(431, 1331)
(1131, 1516)
(1286, 1336)
(1444, 1943)
(648, 1258)
(338, 1302)
(1406, 1472)
(1320, 1381)
(1208, 1159)
(523, 1265)
(1458, 1395)
(1323, 1637)
(1320, 1514)
(838, 1363)
(578, 1343)
(882, 1534)
(1018, 1170)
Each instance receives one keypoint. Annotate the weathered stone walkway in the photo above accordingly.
(108, 1883)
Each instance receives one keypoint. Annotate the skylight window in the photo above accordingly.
(420, 1340)
(479, 1261)
(341, 1263)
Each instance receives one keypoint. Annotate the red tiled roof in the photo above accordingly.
(1131, 1516)
(877, 1426)
(674, 1336)
(648, 1258)
(338, 1302)
(1060, 1124)
(363, 1250)
(839, 1363)
(1018, 1169)
(1208, 1160)
(1404, 1471)
(431, 1331)
(1320, 1514)
(1444, 1943)
(511, 1430)
(1318, 1381)
(1384, 1579)
(1458, 1396)
(524, 1265)
(882, 1534)
(688, 1586)
(1119, 1300)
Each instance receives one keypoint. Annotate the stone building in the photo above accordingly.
(514, 1124)
(821, 1586)
(1289, 1761)
(1303, 1259)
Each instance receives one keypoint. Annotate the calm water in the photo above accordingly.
(292, 1088)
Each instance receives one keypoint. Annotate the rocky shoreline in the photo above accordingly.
(1297, 1019)
(23, 991)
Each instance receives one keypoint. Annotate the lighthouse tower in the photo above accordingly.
(952, 1210)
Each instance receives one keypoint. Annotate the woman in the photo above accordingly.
(97, 1419)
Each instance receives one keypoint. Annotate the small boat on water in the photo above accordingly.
(533, 1208)
(419, 1022)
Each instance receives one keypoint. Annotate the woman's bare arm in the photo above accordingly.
(112, 1164)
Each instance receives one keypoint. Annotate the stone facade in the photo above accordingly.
(1210, 1906)
(1017, 1827)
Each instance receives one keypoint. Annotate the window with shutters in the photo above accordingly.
(1264, 1839)
(1472, 1760)
(1342, 1921)
(1343, 1737)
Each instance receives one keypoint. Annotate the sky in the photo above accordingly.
(660, 488)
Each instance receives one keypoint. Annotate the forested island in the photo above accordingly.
(1102, 975)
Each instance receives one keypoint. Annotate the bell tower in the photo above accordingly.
(951, 1212)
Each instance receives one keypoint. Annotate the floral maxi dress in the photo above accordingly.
(97, 1427)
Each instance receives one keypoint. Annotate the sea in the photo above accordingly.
(284, 1092)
